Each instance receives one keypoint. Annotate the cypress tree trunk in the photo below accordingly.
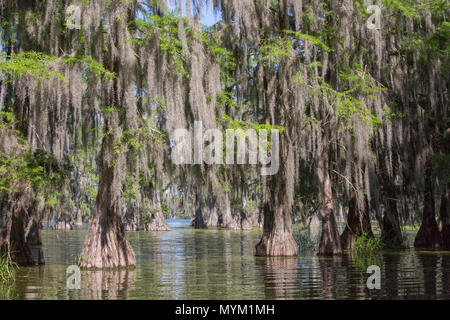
(391, 232)
(358, 222)
(444, 218)
(277, 238)
(351, 227)
(428, 234)
(210, 216)
(79, 219)
(198, 222)
(157, 220)
(106, 245)
(330, 242)
(12, 240)
(225, 218)
(33, 238)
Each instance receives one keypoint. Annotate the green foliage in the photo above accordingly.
(431, 42)
(272, 50)
(348, 102)
(165, 29)
(165, 209)
(307, 37)
(144, 218)
(406, 7)
(38, 169)
(92, 66)
(281, 45)
(42, 66)
(130, 190)
(226, 99)
(35, 64)
(365, 245)
(222, 56)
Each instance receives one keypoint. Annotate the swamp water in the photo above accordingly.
(219, 264)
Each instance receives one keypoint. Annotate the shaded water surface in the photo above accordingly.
(219, 264)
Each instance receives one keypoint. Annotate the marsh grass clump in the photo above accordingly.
(365, 245)
(7, 269)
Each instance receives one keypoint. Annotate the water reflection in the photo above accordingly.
(445, 265)
(219, 264)
(331, 271)
(105, 284)
(429, 263)
(280, 276)
(390, 280)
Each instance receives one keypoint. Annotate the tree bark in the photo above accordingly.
(358, 222)
(225, 218)
(444, 218)
(210, 216)
(106, 245)
(197, 222)
(33, 238)
(157, 220)
(277, 238)
(391, 233)
(428, 235)
(330, 242)
(79, 219)
(12, 241)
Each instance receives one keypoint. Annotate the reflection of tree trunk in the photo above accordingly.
(12, 240)
(330, 269)
(429, 264)
(280, 277)
(444, 218)
(277, 238)
(445, 266)
(428, 234)
(390, 280)
(358, 222)
(352, 292)
(108, 284)
(391, 232)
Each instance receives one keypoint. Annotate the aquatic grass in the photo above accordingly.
(7, 268)
(6, 292)
(366, 251)
(365, 245)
